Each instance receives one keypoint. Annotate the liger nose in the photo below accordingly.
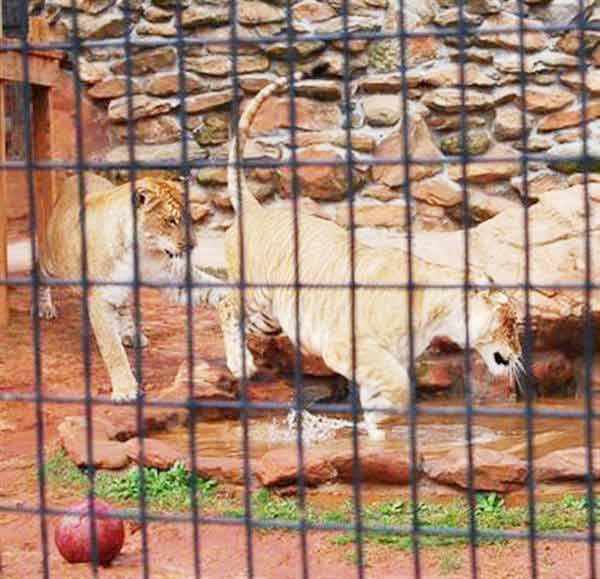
(499, 359)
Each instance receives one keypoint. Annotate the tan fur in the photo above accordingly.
(109, 237)
(381, 315)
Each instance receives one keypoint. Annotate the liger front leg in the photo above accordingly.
(236, 351)
(105, 324)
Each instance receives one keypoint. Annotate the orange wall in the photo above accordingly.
(95, 138)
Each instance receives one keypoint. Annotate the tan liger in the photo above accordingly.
(379, 359)
(109, 226)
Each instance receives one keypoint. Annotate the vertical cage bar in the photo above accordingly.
(401, 31)
(241, 288)
(189, 310)
(35, 285)
(527, 353)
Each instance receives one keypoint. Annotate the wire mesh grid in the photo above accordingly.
(402, 33)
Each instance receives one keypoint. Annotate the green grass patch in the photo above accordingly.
(170, 490)
(165, 490)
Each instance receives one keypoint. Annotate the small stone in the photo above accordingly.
(511, 64)
(571, 118)
(477, 143)
(381, 83)
(219, 65)
(571, 42)
(568, 159)
(152, 131)
(156, 14)
(205, 15)
(449, 75)
(280, 467)
(474, 54)
(100, 26)
(146, 62)
(568, 136)
(488, 172)
(382, 110)
(92, 72)
(547, 101)
(168, 84)
(321, 182)
(551, 371)
(208, 101)
(89, 6)
(300, 49)
(252, 12)
(451, 17)
(492, 470)
(171, 3)
(421, 146)
(574, 80)
(377, 466)
(438, 190)
(222, 468)
(484, 6)
(448, 100)
(113, 87)
(567, 464)
(380, 192)
(327, 90)
(538, 184)
(508, 124)
(169, 153)
(360, 141)
(313, 11)
(535, 144)
(483, 207)
(157, 454)
(165, 29)
(213, 129)
(532, 41)
(253, 83)
(389, 216)
(453, 122)
(311, 115)
(334, 64)
(212, 176)
(141, 106)
(579, 179)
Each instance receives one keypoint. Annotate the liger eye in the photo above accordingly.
(172, 221)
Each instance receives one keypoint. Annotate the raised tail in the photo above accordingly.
(249, 201)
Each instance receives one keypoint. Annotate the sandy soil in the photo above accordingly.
(222, 550)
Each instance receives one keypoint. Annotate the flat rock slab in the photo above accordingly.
(567, 464)
(157, 454)
(106, 453)
(281, 467)
(492, 470)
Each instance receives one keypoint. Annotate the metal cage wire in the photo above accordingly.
(196, 518)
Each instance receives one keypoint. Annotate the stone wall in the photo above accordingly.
(494, 102)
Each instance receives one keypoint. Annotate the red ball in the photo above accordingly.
(73, 535)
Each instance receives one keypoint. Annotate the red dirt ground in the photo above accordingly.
(222, 549)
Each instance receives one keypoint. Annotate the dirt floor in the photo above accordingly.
(222, 550)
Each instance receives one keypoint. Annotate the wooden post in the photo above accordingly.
(3, 208)
(3, 216)
(45, 180)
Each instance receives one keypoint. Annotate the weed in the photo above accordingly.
(450, 563)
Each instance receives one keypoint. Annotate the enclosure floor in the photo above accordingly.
(170, 552)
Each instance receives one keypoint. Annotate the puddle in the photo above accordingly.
(435, 435)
